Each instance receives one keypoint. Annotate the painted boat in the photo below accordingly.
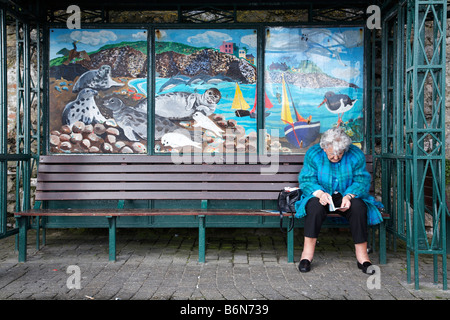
(239, 104)
(302, 132)
(267, 105)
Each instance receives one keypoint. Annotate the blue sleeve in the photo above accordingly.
(308, 176)
(361, 178)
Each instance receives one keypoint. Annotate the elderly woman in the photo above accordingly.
(335, 171)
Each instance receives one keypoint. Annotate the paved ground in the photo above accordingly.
(241, 264)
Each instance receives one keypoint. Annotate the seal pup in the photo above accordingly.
(204, 122)
(99, 79)
(178, 140)
(182, 105)
(133, 122)
(83, 109)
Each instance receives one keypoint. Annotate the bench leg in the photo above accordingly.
(22, 239)
(201, 239)
(38, 230)
(382, 234)
(112, 238)
(290, 243)
(44, 228)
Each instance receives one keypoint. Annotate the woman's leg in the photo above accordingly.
(315, 216)
(357, 217)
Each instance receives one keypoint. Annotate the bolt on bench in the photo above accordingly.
(135, 190)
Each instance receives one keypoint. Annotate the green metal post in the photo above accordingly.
(3, 123)
(112, 238)
(201, 239)
(23, 221)
(290, 242)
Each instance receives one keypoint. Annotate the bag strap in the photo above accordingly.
(291, 222)
(281, 213)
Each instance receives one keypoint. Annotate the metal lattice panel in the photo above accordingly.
(425, 128)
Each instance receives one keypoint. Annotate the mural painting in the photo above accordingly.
(205, 90)
(314, 80)
(93, 106)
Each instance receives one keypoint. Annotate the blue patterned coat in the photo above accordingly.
(349, 175)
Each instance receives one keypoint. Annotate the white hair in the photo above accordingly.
(337, 139)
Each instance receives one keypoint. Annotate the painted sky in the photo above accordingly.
(339, 52)
(211, 38)
(91, 39)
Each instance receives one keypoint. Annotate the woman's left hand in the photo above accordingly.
(346, 203)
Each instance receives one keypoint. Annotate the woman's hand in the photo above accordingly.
(346, 203)
(324, 198)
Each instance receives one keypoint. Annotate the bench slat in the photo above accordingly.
(144, 212)
(157, 195)
(169, 177)
(169, 186)
(149, 168)
(130, 158)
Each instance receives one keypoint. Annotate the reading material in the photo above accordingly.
(332, 207)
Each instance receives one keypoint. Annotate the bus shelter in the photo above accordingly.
(387, 57)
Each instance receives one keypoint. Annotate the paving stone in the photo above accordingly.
(241, 264)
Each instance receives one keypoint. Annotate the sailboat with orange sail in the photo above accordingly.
(300, 133)
(267, 105)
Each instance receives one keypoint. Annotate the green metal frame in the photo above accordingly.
(421, 68)
(411, 132)
(3, 123)
(405, 143)
(29, 99)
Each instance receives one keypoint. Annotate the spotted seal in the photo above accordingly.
(83, 109)
(99, 79)
(132, 121)
(182, 105)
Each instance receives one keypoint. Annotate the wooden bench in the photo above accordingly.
(79, 186)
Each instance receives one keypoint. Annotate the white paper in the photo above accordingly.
(331, 206)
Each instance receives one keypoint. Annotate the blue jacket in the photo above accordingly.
(349, 175)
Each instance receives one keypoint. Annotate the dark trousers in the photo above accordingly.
(356, 216)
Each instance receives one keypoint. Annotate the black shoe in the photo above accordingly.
(364, 266)
(304, 265)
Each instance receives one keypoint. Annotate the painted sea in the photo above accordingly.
(305, 100)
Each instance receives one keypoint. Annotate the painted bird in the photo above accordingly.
(338, 104)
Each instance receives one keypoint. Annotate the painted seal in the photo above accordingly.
(182, 105)
(132, 121)
(99, 79)
(204, 122)
(82, 109)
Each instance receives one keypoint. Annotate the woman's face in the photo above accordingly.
(332, 155)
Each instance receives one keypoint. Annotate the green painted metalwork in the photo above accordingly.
(3, 124)
(412, 130)
(426, 69)
(112, 238)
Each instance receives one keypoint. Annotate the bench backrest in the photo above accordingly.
(135, 177)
